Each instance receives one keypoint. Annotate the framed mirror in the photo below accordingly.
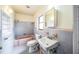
(51, 18)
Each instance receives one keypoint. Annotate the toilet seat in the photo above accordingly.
(32, 42)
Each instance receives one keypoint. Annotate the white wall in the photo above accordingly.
(65, 16)
(24, 17)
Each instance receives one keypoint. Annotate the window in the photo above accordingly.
(41, 22)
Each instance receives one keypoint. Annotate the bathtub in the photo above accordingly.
(20, 45)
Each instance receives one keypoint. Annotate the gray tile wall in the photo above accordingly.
(22, 28)
(66, 42)
(65, 38)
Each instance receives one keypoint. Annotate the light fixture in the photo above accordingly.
(27, 6)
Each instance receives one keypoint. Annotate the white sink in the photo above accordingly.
(46, 42)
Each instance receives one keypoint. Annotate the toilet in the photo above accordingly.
(32, 46)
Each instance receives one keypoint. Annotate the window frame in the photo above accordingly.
(41, 22)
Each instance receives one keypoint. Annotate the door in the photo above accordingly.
(76, 30)
(0, 33)
(7, 33)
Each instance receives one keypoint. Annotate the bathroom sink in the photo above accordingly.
(46, 42)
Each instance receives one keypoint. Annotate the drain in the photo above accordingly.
(46, 44)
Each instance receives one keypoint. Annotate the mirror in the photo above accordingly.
(51, 18)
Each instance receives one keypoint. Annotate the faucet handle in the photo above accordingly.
(55, 35)
(39, 36)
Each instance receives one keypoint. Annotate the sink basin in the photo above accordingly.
(46, 42)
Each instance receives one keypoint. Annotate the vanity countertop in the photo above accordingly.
(46, 42)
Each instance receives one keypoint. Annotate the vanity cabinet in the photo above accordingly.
(50, 50)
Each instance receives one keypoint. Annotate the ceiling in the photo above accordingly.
(24, 10)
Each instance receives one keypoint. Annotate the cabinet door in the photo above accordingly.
(7, 33)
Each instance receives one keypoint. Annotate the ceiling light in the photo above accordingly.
(27, 6)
